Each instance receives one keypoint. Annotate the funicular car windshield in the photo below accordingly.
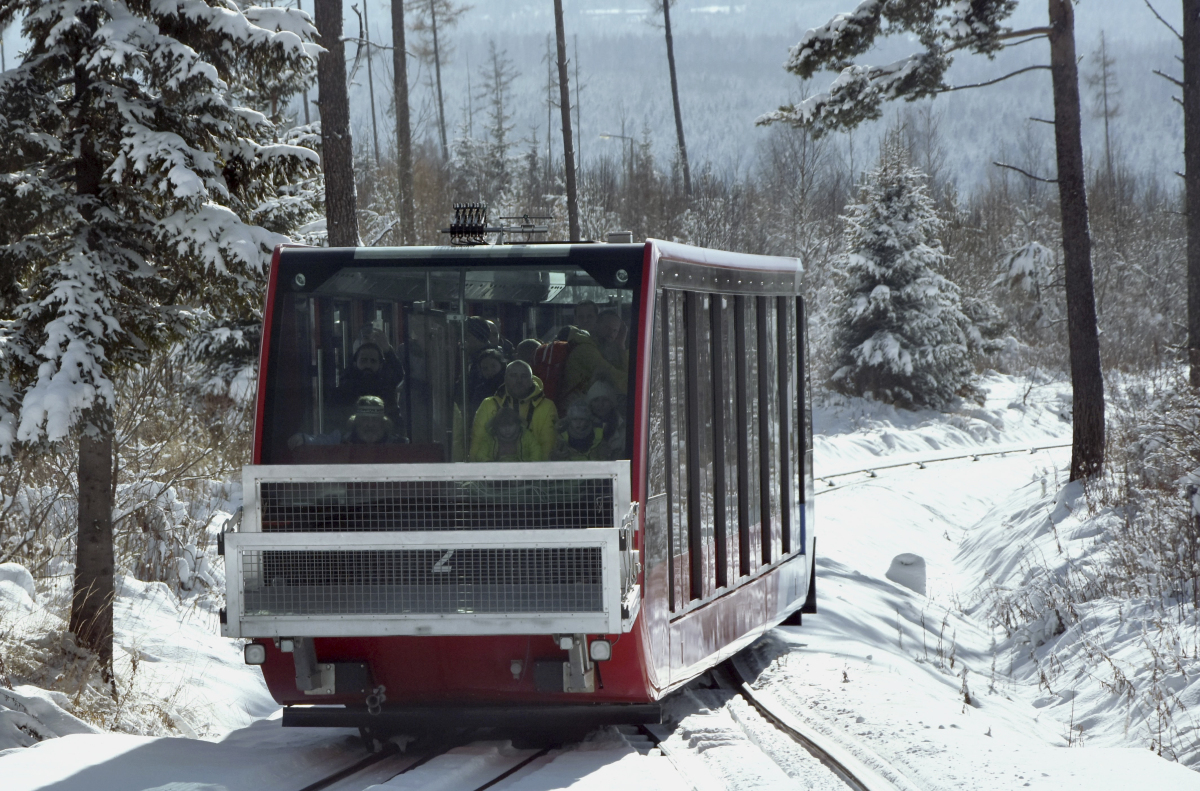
(377, 363)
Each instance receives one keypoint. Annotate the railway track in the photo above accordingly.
(472, 765)
(830, 485)
(852, 769)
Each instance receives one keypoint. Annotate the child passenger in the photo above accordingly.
(507, 439)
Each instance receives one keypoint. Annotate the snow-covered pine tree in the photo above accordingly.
(131, 171)
(899, 332)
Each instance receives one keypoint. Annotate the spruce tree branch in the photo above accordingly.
(1041, 120)
(1168, 78)
(1160, 19)
(991, 82)
(1025, 173)
(1177, 100)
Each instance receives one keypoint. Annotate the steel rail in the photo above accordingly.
(920, 464)
(390, 750)
(372, 759)
(851, 769)
(512, 770)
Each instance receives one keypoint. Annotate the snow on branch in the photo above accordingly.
(942, 27)
(859, 92)
(841, 38)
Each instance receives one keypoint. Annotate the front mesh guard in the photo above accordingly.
(376, 581)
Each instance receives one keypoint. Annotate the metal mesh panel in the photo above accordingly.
(368, 506)
(422, 581)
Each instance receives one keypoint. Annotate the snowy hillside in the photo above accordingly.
(906, 665)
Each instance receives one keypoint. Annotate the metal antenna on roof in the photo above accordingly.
(470, 225)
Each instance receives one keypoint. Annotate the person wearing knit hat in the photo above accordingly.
(579, 435)
(369, 425)
(602, 399)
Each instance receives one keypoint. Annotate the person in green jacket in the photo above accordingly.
(522, 392)
(586, 364)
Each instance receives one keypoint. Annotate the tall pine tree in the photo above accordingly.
(900, 329)
(133, 176)
(943, 29)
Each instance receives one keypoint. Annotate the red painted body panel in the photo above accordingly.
(264, 352)
(658, 655)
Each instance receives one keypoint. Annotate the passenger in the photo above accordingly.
(527, 350)
(586, 315)
(367, 376)
(477, 337)
(489, 380)
(475, 343)
(612, 337)
(586, 365)
(369, 425)
(522, 391)
(602, 399)
(507, 439)
(580, 438)
(497, 341)
(391, 368)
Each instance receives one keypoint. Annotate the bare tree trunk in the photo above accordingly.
(403, 128)
(370, 79)
(1191, 160)
(564, 92)
(304, 93)
(92, 601)
(1087, 382)
(337, 148)
(437, 70)
(683, 157)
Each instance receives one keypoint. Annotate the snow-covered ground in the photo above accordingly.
(920, 685)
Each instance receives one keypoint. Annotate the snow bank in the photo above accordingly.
(1105, 647)
(174, 672)
(29, 715)
(17, 593)
(858, 433)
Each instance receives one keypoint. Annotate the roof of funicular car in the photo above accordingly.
(526, 254)
(724, 259)
(602, 260)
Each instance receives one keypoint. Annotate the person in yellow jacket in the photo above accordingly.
(586, 364)
(522, 392)
(581, 439)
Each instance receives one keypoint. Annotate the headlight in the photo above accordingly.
(255, 654)
(601, 650)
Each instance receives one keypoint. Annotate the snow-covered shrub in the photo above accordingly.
(178, 444)
(1100, 583)
(899, 331)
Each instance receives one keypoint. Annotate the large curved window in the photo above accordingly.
(380, 364)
